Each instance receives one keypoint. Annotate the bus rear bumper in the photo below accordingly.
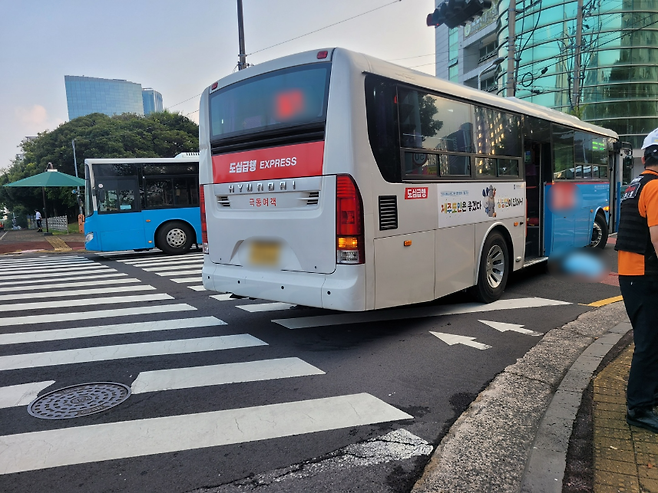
(343, 289)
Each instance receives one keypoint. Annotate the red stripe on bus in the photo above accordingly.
(293, 161)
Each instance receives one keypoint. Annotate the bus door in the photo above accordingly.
(117, 198)
(535, 154)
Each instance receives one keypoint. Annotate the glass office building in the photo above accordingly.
(618, 75)
(152, 101)
(85, 95)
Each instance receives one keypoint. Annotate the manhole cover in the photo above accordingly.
(79, 400)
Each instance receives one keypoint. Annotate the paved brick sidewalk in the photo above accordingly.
(625, 457)
(31, 241)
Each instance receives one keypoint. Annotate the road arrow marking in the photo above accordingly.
(504, 327)
(452, 339)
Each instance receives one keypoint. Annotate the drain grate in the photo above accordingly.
(79, 400)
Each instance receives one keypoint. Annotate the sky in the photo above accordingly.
(179, 47)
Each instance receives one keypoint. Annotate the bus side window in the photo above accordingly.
(382, 120)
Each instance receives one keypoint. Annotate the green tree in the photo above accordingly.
(96, 136)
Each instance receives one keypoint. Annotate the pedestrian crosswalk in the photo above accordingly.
(57, 313)
(181, 269)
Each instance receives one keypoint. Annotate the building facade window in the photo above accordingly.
(619, 61)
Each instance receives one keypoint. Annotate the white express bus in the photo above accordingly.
(336, 180)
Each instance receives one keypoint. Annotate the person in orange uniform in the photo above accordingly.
(637, 244)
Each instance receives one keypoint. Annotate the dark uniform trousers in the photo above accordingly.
(641, 299)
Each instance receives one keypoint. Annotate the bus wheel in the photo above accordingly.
(174, 238)
(494, 269)
(599, 232)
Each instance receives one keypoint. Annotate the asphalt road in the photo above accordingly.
(229, 395)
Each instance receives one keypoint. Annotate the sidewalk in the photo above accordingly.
(31, 241)
(625, 457)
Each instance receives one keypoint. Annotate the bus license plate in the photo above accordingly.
(264, 253)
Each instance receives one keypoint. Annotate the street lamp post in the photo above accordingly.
(493, 64)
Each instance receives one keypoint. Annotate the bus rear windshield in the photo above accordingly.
(280, 100)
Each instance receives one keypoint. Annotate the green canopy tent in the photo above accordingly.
(49, 178)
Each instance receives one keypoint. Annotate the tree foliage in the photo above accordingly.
(96, 136)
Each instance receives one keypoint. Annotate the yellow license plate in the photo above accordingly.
(264, 253)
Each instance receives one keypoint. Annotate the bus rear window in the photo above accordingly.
(285, 98)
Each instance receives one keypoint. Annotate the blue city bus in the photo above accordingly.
(139, 204)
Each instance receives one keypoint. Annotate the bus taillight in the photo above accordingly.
(204, 226)
(349, 222)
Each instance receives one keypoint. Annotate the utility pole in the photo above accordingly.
(242, 61)
(511, 51)
(575, 99)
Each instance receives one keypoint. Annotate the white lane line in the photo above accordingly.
(117, 312)
(99, 276)
(205, 376)
(51, 273)
(108, 441)
(184, 280)
(265, 307)
(197, 288)
(180, 273)
(35, 272)
(21, 395)
(138, 350)
(69, 285)
(80, 292)
(108, 330)
(40, 305)
(420, 312)
(222, 297)
(173, 267)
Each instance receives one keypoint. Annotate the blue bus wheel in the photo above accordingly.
(175, 237)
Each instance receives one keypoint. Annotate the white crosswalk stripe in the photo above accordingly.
(93, 270)
(100, 276)
(265, 307)
(107, 441)
(81, 292)
(181, 269)
(107, 330)
(40, 305)
(171, 267)
(203, 376)
(68, 285)
(108, 353)
(221, 297)
(181, 273)
(187, 280)
(72, 316)
(22, 394)
(75, 291)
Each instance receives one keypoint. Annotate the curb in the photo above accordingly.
(515, 434)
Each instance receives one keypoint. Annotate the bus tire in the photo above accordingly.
(174, 238)
(494, 269)
(599, 232)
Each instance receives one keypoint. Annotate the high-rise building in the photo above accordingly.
(464, 52)
(85, 95)
(617, 74)
(152, 101)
